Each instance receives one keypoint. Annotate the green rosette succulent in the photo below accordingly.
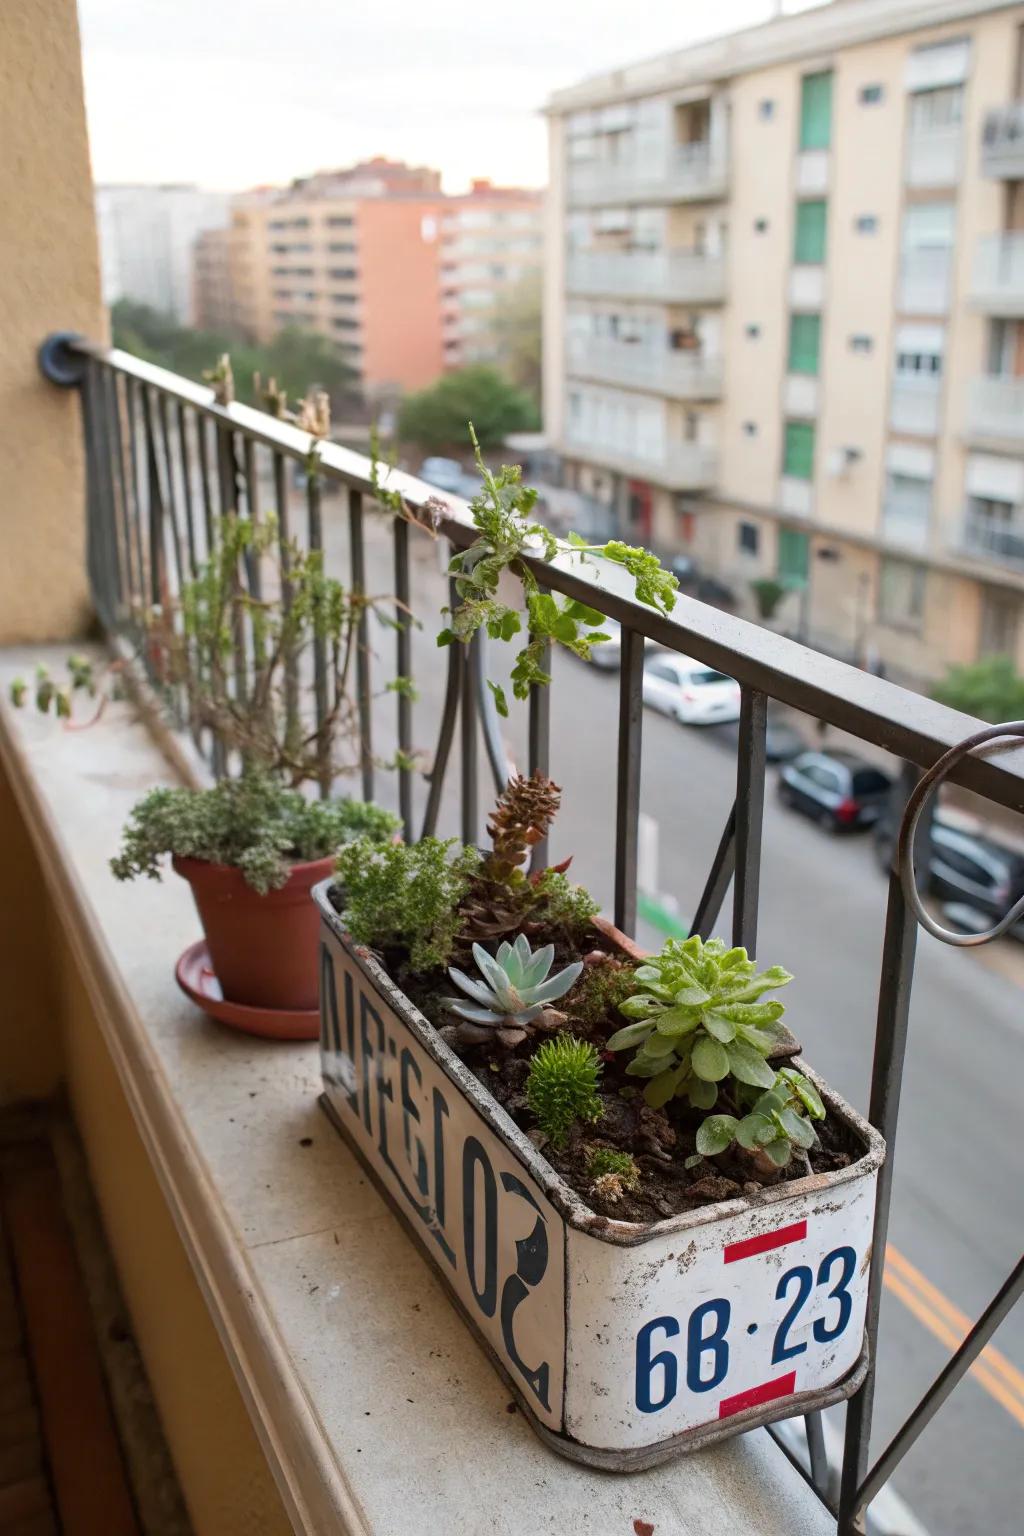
(696, 1019)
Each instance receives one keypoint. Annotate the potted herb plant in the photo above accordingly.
(251, 845)
(654, 1216)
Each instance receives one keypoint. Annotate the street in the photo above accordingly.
(958, 1204)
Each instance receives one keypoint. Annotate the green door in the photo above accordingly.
(794, 558)
(809, 235)
(816, 111)
(798, 452)
(804, 343)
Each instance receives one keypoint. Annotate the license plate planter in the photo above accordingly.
(623, 1344)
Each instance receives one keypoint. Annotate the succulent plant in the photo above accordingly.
(697, 1020)
(562, 1086)
(501, 894)
(515, 991)
(613, 1173)
(779, 1120)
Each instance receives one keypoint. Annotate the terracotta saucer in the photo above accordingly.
(195, 976)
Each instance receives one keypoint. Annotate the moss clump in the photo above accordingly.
(562, 1086)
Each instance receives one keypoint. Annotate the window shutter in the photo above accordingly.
(816, 111)
(794, 557)
(809, 243)
(798, 457)
(804, 343)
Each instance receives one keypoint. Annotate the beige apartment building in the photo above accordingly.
(405, 281)
(784, 318)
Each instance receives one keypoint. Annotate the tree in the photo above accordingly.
(438, 417)
(517, 330)
(296, 359)
(990, 689)
(768, 594)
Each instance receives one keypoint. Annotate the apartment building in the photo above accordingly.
(405, 281)
(784, 318)
(147, 236)
(492, 252)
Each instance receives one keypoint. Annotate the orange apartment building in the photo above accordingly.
(403, 279)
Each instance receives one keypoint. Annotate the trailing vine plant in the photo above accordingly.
(507, 536)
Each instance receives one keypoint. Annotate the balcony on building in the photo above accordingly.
(915, 404)
(682, 467)
(680, 173)
(994, 535)
(925, 280)
(686, 277)
(997, 278)
(680, 374)
(995, 410)
(934, 156)
(1002, 142)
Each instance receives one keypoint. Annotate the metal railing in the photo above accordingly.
(672, 276)
(1002, 141)
(997, 277)
(677, 172)
(164, 460)
(683, 375)
(995, 408)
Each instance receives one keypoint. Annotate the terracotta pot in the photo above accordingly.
(263, 948)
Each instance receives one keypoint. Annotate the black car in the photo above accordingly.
(837, 789)
(963, 867)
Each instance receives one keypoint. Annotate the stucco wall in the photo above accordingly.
(49, 280)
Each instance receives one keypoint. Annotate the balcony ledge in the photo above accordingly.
(375, 1408)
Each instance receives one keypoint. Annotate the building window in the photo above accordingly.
(794, 557)
(798, 450)
(766, 109)
(871, 95)
(866, 224)
(1000, 623)
(816, 111)
(748, 538)
(340, 221)
(900, 593)
(760, 226)
(931, 111)
(860, 343)
(809, 238)
(804, 343)
(341, 247)
(750, 428)
(753, 332)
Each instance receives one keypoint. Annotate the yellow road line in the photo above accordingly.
(992, 1371)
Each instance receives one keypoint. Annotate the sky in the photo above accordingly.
(234, 93)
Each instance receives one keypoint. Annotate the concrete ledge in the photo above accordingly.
(377, 1411)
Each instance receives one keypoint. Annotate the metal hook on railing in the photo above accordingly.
(925, 786)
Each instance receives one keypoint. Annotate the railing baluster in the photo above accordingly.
(469, 753)
(364, 698)
(291, 668)
(897, 972)
(750, 770)
(97, 538)
(170, 497)
(315, 535)
(403, 668)
(119, 507)
(445, 737)
(817, 1455)
(155, 507)
(186, 481)
(627, 799)
(136, 576)
(204, 473)
(539, 746)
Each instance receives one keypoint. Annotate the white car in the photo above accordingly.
(691, 691)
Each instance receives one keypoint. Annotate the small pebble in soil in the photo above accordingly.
(307, 1141)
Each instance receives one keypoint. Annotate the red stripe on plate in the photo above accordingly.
(763, 1394)
(777, 1239)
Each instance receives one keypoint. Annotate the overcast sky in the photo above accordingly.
(230, 93)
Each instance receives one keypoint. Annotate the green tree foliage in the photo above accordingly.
(991, 690)
(295, 359)
(517, 330)
(768, 594)
(436, 418)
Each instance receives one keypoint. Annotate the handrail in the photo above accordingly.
(907, 724)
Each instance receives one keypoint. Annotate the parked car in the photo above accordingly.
(691, 691)
(837, 789)
(446, 474)
(964, 867)
(607, 656)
